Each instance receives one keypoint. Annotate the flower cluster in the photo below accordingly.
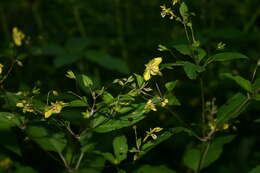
(55, 108)
(152, 68)
(167, 12)
(27, 107)
(18, 36)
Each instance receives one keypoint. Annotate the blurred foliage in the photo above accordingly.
(112, 39)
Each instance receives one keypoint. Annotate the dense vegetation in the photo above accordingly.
(158, 86)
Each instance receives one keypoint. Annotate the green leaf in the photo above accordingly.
(8, 120)
(10, 141)
(234, 106)
(77, 103)
(107, 124)
(227, 56)
(171, 85)
(184, 49)
(162, 137)
(25, 169)
(120, 148)
(192, 70)
(192, 156)
(140, 80)
(245, 84)
(154, 169)
(46, 137)
(184, 11)
(105, 60)
(255, 170)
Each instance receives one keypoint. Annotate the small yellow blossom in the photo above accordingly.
(225, 126)
(55, 108)
(1, 68)
(167, 12)
(18, 36)
(152, 68)
(5, 163)
(27, 107)
(174, 2)
(150, 105)
(165, 102)
(152, 133)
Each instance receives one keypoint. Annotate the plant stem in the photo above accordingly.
(202, 106)
(79, 161)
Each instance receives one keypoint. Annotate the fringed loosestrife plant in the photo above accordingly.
(69, 127)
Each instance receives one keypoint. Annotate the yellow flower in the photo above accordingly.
(55, 108)
(1, 68)
(165, 102)
(18, 36)
(27, 107)
(5, 163)
(225, 126)
(167, 12)
(151, 133)
(150, 105)
(152, 68)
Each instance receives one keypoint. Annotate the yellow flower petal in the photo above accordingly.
(147, 75)
(1, 68)
(48, 113)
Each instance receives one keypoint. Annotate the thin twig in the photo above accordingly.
(79, 161)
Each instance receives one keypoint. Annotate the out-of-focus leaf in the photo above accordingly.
(103, 59)
(47, 138)
(170, 85)
(154, 169)
(245, 84)
(255, 170)
(192, 156)
(120, 148)
(25, 169)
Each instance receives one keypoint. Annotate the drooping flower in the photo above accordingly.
(152, 133)
(152, 68)
(18, 36)
(167, 12)
(150, 105)
(27, 107)
(164, 102)
(55, 108)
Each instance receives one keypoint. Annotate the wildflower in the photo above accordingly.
(1, 68)
(55, 108)
(27, 107)
(150, 105)
(152, 133)
(152, 68)
(5, 163)
(225, 126)
(18, 36)
(167, 12)
(165, 102)
(174, 2)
